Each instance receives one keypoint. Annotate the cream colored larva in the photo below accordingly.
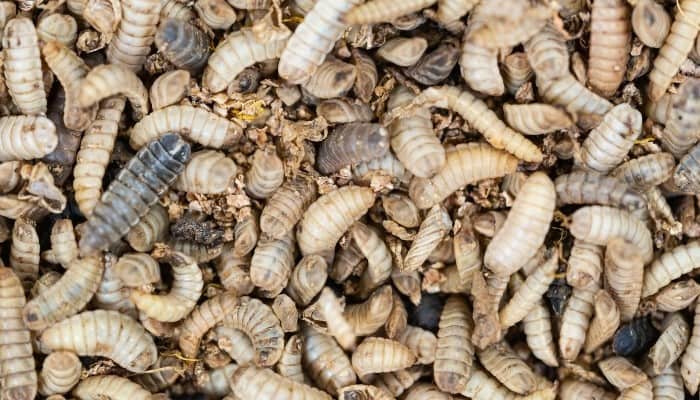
(451, 11)
(479, 68)
(504, 364)
(111, 294)
(454, 352)
(272, 263)
(677, 296)
(623, 274)
(8, 10)
(516, 72)
(265, 175)
(202, 319)
(610, 42)
(108, 80)
(331, 309)
(670, 266)
(60, 373)
(151, 228)
(671, 343)
(24, 252)
(575, 321)
(22, 66)
(259, 323)
(111, 387)
(377, 11)
(434, 227)
(605, 321)
(286, 206)
(690, 361)
(290, 363)
(367, 317)
(378, 355)
(537, 326)
(208, 172)
(569, 93)
(547, 54)
(253, 382)
(26, 137)
(64, 247)
(132, 41)
(325, 361)
(379, 260)
(169, 88)
(307, 279)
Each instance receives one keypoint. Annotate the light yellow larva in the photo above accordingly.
(24, 252)
(59, 373)
(111, 387)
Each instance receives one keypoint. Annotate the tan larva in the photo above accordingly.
(379, 355)
(690, 361)
(207, 172)
(17, 371)
(236, 344)
(272, 263)
(26, 137)
(246, 233)
(252, 382)
(265, 175)
(598, 225)
(487, 292)
(44, 282)
(489, 223)
(65, 298)
(286, 311)
(668, 384)
(214, 382)
(537, 326)
(364, 392)
(108, 80)
(504, 364)
(386, 165)
(383, 11)
(646, 171)
(574, 389)
(332, 311)
(481, 386)
(367, 317)
(290, 363)
(677, 296)
(397, 320)
(585, 264)
(22, 66)
(137, 270)
(111, 387)
(60, 373)
(623, 275)
(516, 71)
(10, 177)
(569, 93)
(262, 327)
(400, 208)
(379, 260)
(526, 296)
(454, 351)
(605, 321)
(334, 78)
(434, 227)
(201, 320)
(216, 14)
(8, 10)
(307, 279)
(671, 343)
(103, 16)
(575, 321)
(525, 228)
(676, 48)
(250, 4)
(64, 247)
(536, 119)
(467, 251)
(175, 9)
(169, 88)
(403, 52)
(234, 271)
(547, 54)
(651, 23)
(367, 75)
(451, 11)
(408, 284)
(24, 252)
(508, 29)
(132, 41)
(679, 134)
(611, 37)
(60, 27)
(344, 110)
(111, 293)
(325, 361)
(286, 206)
(421, 342)
(479, 68)
(641, 391)
(425, 391)
(621, 373)
(669, 266)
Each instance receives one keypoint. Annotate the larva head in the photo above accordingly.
(31, 314)
(176, 147)
(423, 192)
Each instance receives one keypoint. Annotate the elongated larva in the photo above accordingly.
(479, 68)
(537, 326)
(611, 39)
(108, 80)
(202, 319)
(435, 66)
(290, 363)
(487, 292)
(18, 377)
(183, 44)
(24, 252)
(671, 343)
(60, 373)
(651, 23)
(505, 365)
(575, 321)
(208, 172)
(529, 293)
(22, 66)
(325, 361)
(383, 11)
(307, 279)
(379, 355)
(454, 353)
(646, 171)
(379, 258)
(111, 387)
(137, 187)
(574, 389)
(265, 175)
(152, 228)
(366, 318)
(262, 327)
(547, 54)
(481, 386)
(676, 48)
(65, 298)
(605, 321)
(621, 373)
(286, 206)
(272, 263)
(132, 41)
(690, 362)
(607, 144)
(252, 382)
(344, 110)
(536, 119)
(382, 166)
(569, 93)
(623, 274)
(450, 11)
(350, 144)
(585, 264)
(26, 137)
(434, 227)
(677, 296)
(670, 266)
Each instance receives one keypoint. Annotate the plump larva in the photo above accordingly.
(22, 66)
(246, 233)
(236, 343)
(208, 172)
(24, 252)
(605, 321)
(106, 334)
(137, 187)
(671, 343)
(686, 176)
(290, 364)
(272, 263)
(60, 373)
(681, 118)
(111, 387)
(676, 48)
(516, 71)
(598, 225)
(67, 296)
(668, 384)
(287, 205)
(252, 382)
(202, 319)
(8, 10)
(650, 22)
(379, 260)
(451, 11)
(610, 42)
(547, 54)
(152, 228)
(366, 392)
(481, 386)
(454, 352)
(529, 293)
(334, 78)
(677, 296)
(669, 266)
(403, 52)
(239, 51)
(434, 227)
(377, 11)
(313, 39)
(132, 41)
(569, 93)
(261, 326)
(367, 317)
(26, 137)
(215, 382)
(387, 165)
(505, 365)
(421, 342)
(646, 171)
(350, 144)
(331, 310)
(265, 175)
(216, 14)
(582, 187)
(401, 209)
(344, 110)
(64, 247)
(233, 271)
(537, 326)
(479, 68)
(506, 29)
(536, 119)
(621, 373)
(108, 80)
(435, 66)
(111, 294)
(623, 274)
(183, 44)
(574, 389)
(325, 361)
(690, 362)
(379, 355)
(169, 88)
(18, 378)
(575, 321)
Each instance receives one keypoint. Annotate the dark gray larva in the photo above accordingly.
(183, 44)
(137, 187)
(350, 144)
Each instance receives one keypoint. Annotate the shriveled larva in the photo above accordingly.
(605, 321)
(332, 310)
(536, 119)
(216, 14)
(685, 176)
(132, 41)
(24, 252)
(350, 144)
(525, 228)
(325, 361)
(650, 22)
(623, 274)
(401, 209)
(22, 66)
(669, 266)
(367, 75)
(201, 320)
(379, 258)
(237, 52)
(611, 39)
(379, 355)
(423, 343)
(403, 52)
(313, 39)
(8, 10)
(676, 48)
(344, 110)
(10, 177)
(265, 175)
(621, 373)
(412, 138)
(208, 172)
(233, 271)
(646, 171)
(334, 78)
(572, 389)
(183, 44)
(364, 392)
(152, 228)
(671, 343)
(26, 137)
(479, 68)
(575, 321)
(290, 363)
(111, 387)
(108, 80)
(68, 296)
(64, 247)
(434, 227)
(569, 93)
(537, 326)
(677, 296)
(383, 11)
(262, 327)
(272, 263)
(516, 71)
(607, 144)
(60, 373)
(529, 293)
(454, 351)
(450, 11)
(123, 339)
(505, 365)
(169, 88)
(307, 279)
(481, 386)
(435, 66)
(214, 382)
(17, 372)
(599, 224)
(175, 9)
(236, 343)
(60, 27)
(668, 384)
(547, 54)
(690, 362)
(252, 382)
(367, 317)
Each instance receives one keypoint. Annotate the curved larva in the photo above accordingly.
(609, 142)
(216, 14)
(290, 363)
(262, 327)
(24, 252)
(377, 11)
(487, 291)
(169, 88)
(110, 387)
(575, 321)
(598, 225)
(466, 164)
(412, 138)
(313, 39)
(325, 361)
(64, 247)
(252, 382)
(582, 187)
(504, 364)
(326, 219)
(106, 334)
(18, 378)
(670, 266)
(108, 80)
(379, 355)
(646, 171)
(183, 44)
(236, 343)
(479, 68)
(435, 226)
(152, 228)
(454, 352)
(334, 78)
(547, 54)
(331, 309)
(621, 373)
(423, 343)
(604, 323)
(208, 172)
(525, 228)
(272, 263)
(200, 253)
(22, 66)
(201, 320)
(367, 317)
(265, 175)
(351, 144)
(450, 11)
(184, 292)
(671, 343)
(65, 298)
(640, 391)
(60, 27)
(234, 272)
(537, 326)
(690, 362)
(677, 296)
(571, 94)
(26, 137)
(651, 23)
(481, 386)
(286, 206)
(10, 177)
(131, 43)
(307, 279)
(388, 164)
(195, 124)
(676, 48)
(623, 273)
(95, 150)
(572, 389)
(536, 119)
(529, 293)
(59, 373)
(237, 52)
(111, 294)
(668, 384)
(611, 39)
(246, 233)
(379, 260)
(214, 382)
(516, 72)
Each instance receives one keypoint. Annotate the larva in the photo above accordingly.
(152, 228)
(313, 39)
(307, 279)
(536, 119)
(454, 352)
(10, 177)
(216, 14)
(383, 11)
(400, 208)
(397, 320)
(547, 54)
(208, 172)
(676, 48)
(504, 364)
(421, 342)
(611, 39)
(400, 51)
(482, 386)
(132, 41)
(26, 137)
(690, 361)
(379, 260)
(290, 363)
(585, 264)
(685, 175)
(525, 228)
(487, 292)
(621, 373)
(671, 343)
(641, 391)
(367, 317)
(569, 93)
(606, 320)
(344, 110)
(13, 208)
(516, 72)
(367, 75)
(103, 333)
(265, 175)
(435, 66)
(103, 16)
(342, 206)
(59, 27)
(8, 10)
(529, 293)
(413, 140)
(253, 382)
(214, 382)
(331, 309)
(137, 186)
(679, 134)
(537, 326)
(677, 296)
(598, 225)
(575, 321)
(111, 387)
(609, 142)
(262, 327)
(434, 227)
(24, 252)
(508, 29)
(651, 23)
(450, 11)
(65, 298)
(382, 166)
(668, 384)
(272, 263)
(175, 9)
(425, 391)
(183, 44)
(379, 355)
(18, 377)
(286, 206)
(572, 389)
(326, 361)
(169, 88)
(237, 52)
(59, 373)
(334, 78)
(22, 66)
(350, 144)
(646, 171)
(669, 266)
(479, 68)
(623, 274)
(64, 247)
(111, 293)
(246, 233)
(236, 343)
(44, 282)
(286, 311)
(365, 392)
(233, 271)
(108, 80)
